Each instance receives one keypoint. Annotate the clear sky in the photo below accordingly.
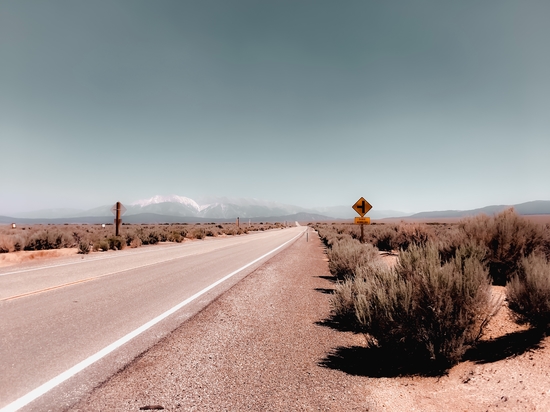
(415, 105)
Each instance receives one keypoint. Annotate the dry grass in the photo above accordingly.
(14, 258)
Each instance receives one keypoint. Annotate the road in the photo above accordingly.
(67, 326)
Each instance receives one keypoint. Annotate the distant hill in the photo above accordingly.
(537, 207)
(346, 212)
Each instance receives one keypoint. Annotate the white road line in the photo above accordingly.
(59, 379)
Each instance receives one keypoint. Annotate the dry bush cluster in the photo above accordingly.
(436, 301)
(94, 237)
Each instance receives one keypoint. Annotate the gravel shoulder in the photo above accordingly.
(263, 346)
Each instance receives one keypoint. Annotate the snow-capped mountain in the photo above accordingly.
(212, 207)
(167, 199)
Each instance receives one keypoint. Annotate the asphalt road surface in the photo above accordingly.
(67, 326)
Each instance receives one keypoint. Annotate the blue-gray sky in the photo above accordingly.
(415, 105)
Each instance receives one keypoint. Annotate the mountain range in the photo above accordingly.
(537, 207)
(204, 208)
(172, 209)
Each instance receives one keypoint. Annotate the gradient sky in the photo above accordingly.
(415, 105)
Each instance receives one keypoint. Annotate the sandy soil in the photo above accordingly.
(266, 344)
(14, 258)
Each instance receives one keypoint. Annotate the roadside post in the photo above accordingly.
(118, 210)
(362, 207)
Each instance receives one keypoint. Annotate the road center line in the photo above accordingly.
(92, 259)
(69, 373)
(76, 282)
(99, 258)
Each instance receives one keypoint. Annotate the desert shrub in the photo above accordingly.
(197, 233)
(230, 231)
(152, 238)
(341, 229)
(6, 244)
(346, 292)
(508, 238)
(421, 309)
(147, 236)
(135, 242)
(19, 242)
(116, 242)
(528, 292)
(162, 236)
(175, 236)
(412, 234)
(347, 254)
(418, 259)
(450, 240)
(130, 236)
(83, 247)
(326, 234)
(101, 245)
(546, 241)
(383, 237)
(48, 239)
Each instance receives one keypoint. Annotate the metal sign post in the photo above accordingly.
(362, 207)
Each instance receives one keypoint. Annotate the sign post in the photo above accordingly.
(362, 207)
(118, 210)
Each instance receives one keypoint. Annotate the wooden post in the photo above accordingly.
(117, 219)
(362, 234)
(237, 222)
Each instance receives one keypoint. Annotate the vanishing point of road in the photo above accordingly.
(67, 326)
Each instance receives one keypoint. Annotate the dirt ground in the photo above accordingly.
(286, 356)
(268, 344)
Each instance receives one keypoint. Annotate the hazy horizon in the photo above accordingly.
(414, 105)
(334, 211)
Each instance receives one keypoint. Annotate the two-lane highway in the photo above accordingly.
(65, 328)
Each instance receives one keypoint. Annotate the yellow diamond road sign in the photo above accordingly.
(362, 207)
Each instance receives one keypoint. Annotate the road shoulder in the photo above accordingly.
(257, 347)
